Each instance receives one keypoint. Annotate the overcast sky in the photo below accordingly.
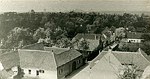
(67, 5)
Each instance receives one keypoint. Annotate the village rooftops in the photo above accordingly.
(47, 60)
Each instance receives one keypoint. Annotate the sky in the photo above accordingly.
(69, 5)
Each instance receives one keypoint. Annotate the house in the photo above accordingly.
(9, 64)
(111, 64)
(50, 63)
(120, 32)
(86, 36)
(134, 37)
(104, 66)
(92, 49)
(95, 43)
(139, 59)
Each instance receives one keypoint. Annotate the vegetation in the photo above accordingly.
(130, 72)
(19, 29)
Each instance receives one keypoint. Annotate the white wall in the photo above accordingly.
(1, 66)
(45, 75)
(135, 40)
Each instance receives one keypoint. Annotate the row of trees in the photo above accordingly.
(18, 29)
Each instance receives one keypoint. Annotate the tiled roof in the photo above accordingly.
(37, 59)
(46, 59)
(36, 46)
(56, 50)
(135, 35)
(10, 59)
(93, 44)
(132, 58)
(92, 63)
(66, 56)
(86, 36)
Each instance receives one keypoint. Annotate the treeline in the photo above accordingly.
(19, 29)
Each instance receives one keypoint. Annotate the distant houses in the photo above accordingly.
(50, 63)
(134, 37)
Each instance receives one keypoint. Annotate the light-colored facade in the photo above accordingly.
(134, 40)
(46, 64)
(104, 66)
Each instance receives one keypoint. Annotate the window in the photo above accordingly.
(41, 71)
(29, 71)
(78, 61)
(60, 71)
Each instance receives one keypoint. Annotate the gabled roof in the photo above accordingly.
(93, 44)
(37, 59)
(56, 50)
(10, 59)
(66, 56)
(35, 46)
(47, 60)
(136, 58)
(86, 36)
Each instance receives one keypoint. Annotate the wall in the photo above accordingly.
(46, 75)
(1, 66)
(135, 40)
(67, 68)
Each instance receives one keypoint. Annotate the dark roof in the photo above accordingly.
(47, 60)
(35, 46)
(66, 56)
(135, 35)
(10, 59)
(136, 58)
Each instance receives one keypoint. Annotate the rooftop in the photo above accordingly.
(48, 60)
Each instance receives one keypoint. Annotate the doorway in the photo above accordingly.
(73, 66)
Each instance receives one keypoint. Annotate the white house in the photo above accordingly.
(51, 63)
(133, 37)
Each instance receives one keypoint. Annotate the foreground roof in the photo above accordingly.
(137, 58)
(48, 60)
(37, 59)
(10, 59)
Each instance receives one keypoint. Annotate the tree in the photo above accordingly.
(83, 45)
(39, 33)
(129, 72)
(146, 37)
(64, 43)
